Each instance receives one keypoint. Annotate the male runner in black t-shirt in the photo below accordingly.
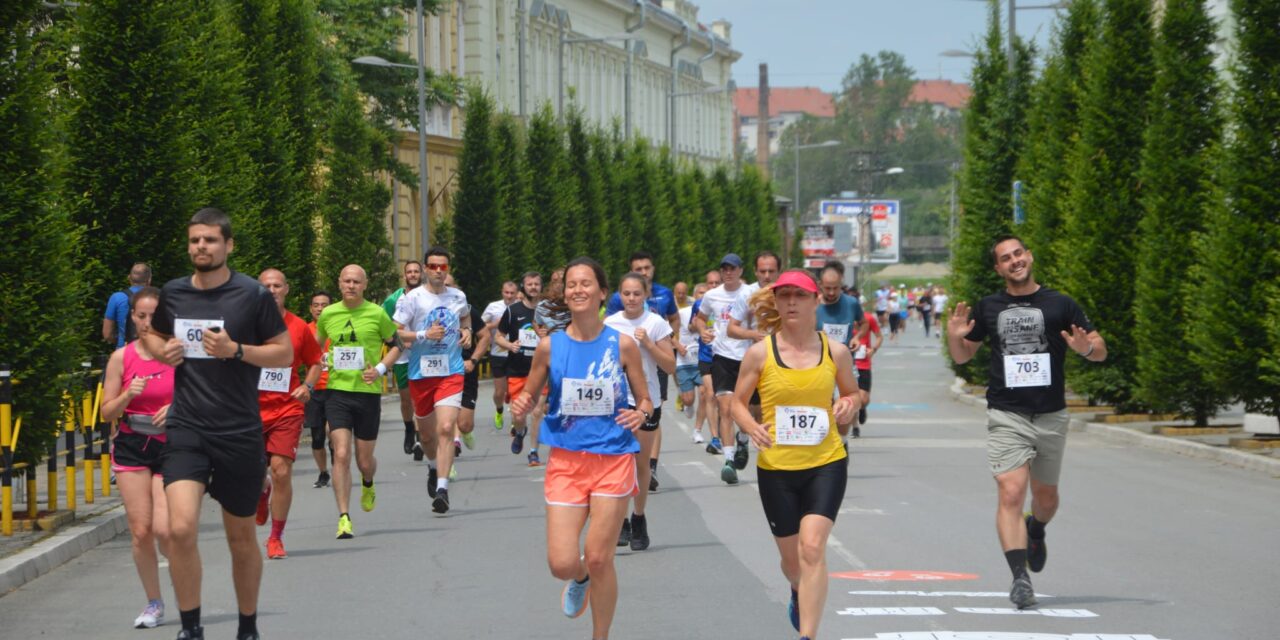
(516, 334)
(216, 328)
(1031, 328)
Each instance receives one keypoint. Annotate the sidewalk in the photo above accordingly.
(1209, 446)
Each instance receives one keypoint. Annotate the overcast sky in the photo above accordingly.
(813, 42)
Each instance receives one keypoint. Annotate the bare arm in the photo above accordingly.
(523, 402)
(748, 377)
(634, 369)
(850, 400)
(114, 397)
(664, 354)
(108, 330)
(737, 331)
(958, 326)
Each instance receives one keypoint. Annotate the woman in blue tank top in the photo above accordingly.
(591, 470)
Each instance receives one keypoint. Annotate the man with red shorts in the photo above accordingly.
(435, 321)
(282, 401)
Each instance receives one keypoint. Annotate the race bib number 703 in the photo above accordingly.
(1027, 370)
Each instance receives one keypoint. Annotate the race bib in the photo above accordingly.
(861, 353)
(579, 397)
(434, 366)
(191, 332)
(348, 358)
(528, 339)
(1027, 370)
(838, 333)
(274, 379)
(803, 426)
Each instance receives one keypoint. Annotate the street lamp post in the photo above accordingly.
(424, 195)
(795, 204)
(864, 220)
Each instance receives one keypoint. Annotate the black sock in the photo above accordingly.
(653, 464)
(499, 410)
(366, 482)
(1035, 528)
(583, 580)
(248, 624)
(1017, 559)
(190, 619)
(408, 426)
(343, 515)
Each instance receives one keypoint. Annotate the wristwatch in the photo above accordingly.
(239, 351)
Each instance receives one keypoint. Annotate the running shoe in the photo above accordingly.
(322, 481)
(453, 472)
(793, 609)
(697, 437)
(264, 506)
(856, 432)
(1037, 552)
(275, 549)
(432, 476)
(469, 440)
(344, 528)
(639, 533)
(1022, 594)
(534, 460)
(862, 415)
(653, 480)
(151, 616)
(409, 439)
(688, 411)
(714, 447)
(517, 440)
(624, 536)
(368, 497)
(191, 634)
(441, 503)
(497, 421)
(573, 602)
(417, 451)
(729, 474)
(252, 635)
(457, 447)
(741, 455)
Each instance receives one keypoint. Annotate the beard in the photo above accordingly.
(412, 284)
(206, 268)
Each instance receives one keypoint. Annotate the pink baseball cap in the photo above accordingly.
(795, 279)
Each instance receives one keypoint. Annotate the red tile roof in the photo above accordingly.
(810, 100)
(952, 95)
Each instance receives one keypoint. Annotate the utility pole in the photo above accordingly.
(762, 125)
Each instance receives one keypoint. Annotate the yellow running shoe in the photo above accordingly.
(469, 440)
(344, 528)
(367, 497)
(453, 472)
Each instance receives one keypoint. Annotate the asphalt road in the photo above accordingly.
(1146, 546)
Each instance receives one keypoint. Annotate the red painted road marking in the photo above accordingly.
(903, 576)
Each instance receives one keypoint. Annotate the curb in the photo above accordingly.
(59, 548)
(1122, 435)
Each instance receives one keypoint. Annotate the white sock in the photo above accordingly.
(728, 453)
(742, 439)
(431, 464)
(442, 483)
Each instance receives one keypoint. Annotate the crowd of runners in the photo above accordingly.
(219, 381)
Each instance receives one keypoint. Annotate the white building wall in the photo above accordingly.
(594, 72)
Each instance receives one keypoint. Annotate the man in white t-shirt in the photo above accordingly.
(497, 355)
(742, 324)
(716, 310)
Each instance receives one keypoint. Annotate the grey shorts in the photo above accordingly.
(1015, 439)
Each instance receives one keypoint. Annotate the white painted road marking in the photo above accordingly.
(892, 611)
(1002, 635)
(941, 594)
(1048, 613)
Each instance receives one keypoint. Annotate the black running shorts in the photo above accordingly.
(788, 496)
(230, 465)
(355, 410)
(864, 379)
(704, 368)
(724, 374)
(497, 366)
(314, 419)
(470, 388)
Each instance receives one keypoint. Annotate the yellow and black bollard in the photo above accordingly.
(51, 474)
(104, 428)
(69, 468)
(87, 422)
(33, 507)
(6, 447)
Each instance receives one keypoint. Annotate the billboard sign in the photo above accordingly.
(884, 218)
(817, 240)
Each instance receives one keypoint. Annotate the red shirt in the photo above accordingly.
(865, 363)
(276, 405)
(324, 368)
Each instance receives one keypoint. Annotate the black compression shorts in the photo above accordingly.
(788, 496)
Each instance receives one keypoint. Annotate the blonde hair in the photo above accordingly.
(765, 307)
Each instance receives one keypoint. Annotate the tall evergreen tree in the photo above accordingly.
(553, 195)
(1234, 308)
(517, 252)
(1175, 173)
(601, 241)
(640, 185)
(686, 212)
(475, 205)
(584, 231)
(995, 126)
(1099, 246)
(715, 212)
(1053, 123)
(40, 286)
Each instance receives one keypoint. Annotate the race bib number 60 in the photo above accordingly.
(804, 426)
(1027, 370)
(580, 397)
(191, 332)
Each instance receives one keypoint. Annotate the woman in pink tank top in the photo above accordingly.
(137, 390)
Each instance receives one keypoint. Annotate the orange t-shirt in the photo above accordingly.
(275, 405)
(324, 366)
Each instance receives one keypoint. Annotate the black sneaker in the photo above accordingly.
(856, 432)
(322, 481)
(862, 415)
(248, 636)
(191, 634)
(624, 536)
(441, 503)
(417, 451)
(409, 440)
(517, 440)
(432, 476)
(1022, 594)
(1037, 552)
(741, 455)
(653, 480)
(639, 533)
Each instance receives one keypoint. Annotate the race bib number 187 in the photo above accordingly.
(805, 426)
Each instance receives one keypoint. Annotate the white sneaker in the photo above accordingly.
(151, 617)
(688, 411)
(697, 437)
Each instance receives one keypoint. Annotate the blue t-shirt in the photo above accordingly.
(661, 301)
(574, 365)
(837, 320)
(118, 312)
(704, 348)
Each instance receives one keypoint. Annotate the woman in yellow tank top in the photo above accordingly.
(802, 466)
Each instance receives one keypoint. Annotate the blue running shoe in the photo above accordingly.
(573, 602)
(793, 609)
(517, 440)
(714, 448)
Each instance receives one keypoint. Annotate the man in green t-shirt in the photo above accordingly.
(412, 280)
(356, 329)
